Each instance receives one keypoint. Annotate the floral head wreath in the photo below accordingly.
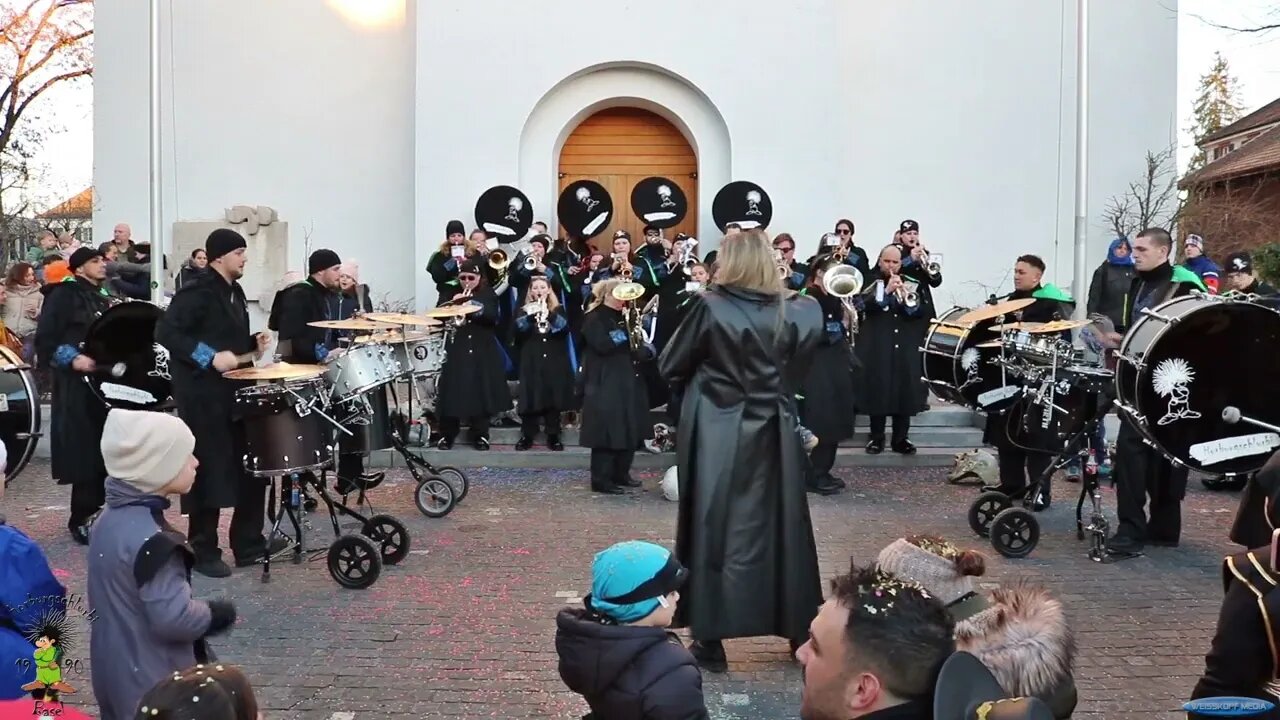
(941, 548)
(878, 596)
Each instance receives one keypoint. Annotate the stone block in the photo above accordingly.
(267, 239)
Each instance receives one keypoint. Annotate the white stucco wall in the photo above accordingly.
(283, 103)
(956, 114)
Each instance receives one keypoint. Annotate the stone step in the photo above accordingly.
(504, 456)
(922, 436)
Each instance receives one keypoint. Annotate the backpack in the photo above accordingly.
(273, 319)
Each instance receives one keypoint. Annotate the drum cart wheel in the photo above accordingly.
(456, 479)
(355, 561)
(390, 534)
(984, 510)
(434, 497)
(1015, 532)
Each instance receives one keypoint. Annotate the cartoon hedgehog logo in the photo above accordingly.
(53, 635)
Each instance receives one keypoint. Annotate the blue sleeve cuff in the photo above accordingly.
(558, 323)
(618, 337)
(321, 351)
(522, 323)
(203, 355)
(63, 356)
(451, 264)
(637, 272)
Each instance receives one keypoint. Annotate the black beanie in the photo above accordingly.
(223, 242)
(322, 259)
(542, 239)
(81, 256)
(455, 226)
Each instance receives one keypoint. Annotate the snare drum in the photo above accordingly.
(960, 372)
(1181, 365)
(418, 353)
(362, 368)
(282, 433)
(19, 412)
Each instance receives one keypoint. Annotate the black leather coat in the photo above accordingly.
(743, 527)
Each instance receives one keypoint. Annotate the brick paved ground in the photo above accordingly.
(464, 626)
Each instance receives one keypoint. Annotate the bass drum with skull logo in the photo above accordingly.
(123, 337)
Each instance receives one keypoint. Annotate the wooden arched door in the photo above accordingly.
(618, 148)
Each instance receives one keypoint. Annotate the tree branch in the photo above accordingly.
(50, 83)
(52, 52)
(1256, 29)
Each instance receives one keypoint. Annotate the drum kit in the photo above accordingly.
(1191, 378)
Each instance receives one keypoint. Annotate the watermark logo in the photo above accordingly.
(54, 634)
(1228, 706)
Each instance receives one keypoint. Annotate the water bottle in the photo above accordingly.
(294, 499)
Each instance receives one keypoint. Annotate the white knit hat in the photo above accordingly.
(938, 574)
(145, 449)
(350, 268)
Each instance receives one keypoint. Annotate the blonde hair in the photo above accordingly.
(552, 301)
(746, 261)
(601, 290)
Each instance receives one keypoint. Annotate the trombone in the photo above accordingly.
(844, 281)
(629, 292)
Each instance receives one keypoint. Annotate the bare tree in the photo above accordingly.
(1235, 218)
(1149, 202)
(42, 43)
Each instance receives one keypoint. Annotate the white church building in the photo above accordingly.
(369, 124)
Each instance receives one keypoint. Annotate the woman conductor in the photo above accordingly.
(743, 527)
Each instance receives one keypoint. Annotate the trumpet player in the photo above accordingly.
(546, 369)
(615, 402)
(917, 267)
(473, 378)
(620, 263)
(444, 262)
(888, 349)
(796, 273)
(827, 404)
(675, 288)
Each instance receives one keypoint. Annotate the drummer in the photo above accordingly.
(1141, 471)
(1024, 457)
(309, 301)
(206, 331)
(78, 417)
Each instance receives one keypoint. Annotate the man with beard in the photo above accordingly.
(301, 343)
(206, 330)
(1025, 452)
(78, 415)
(874, 650)
(1140, 470)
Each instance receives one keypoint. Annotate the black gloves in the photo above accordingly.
(223, 616)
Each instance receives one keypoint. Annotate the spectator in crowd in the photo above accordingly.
(22, 301)
(56, 270)
(122, 238)
(67, 244)
(194, 266)
(203, 692)
(1111, 282)
(1200, 264)
(139, 565)
(131, 279)
(616, 651)
(46, 244)
(874, 650)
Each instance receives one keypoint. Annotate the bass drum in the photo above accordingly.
(19, 412)
(959, 371)
(1075, 405)
(1193, 357)
(125, 334)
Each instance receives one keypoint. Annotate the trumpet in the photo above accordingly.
(623, 264)
(541, 314)
(844, 281)
(459, 299)
(687, 259)
(629, 293)
(530, 264)
(931, 266)
(784, 271)
(909, 298)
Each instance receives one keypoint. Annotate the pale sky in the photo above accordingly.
(65, 165)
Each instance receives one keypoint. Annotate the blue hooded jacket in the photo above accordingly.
(1111, 282)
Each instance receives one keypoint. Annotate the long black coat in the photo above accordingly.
(615, 403)
(743, 527)
(75, 434)
(546, 375)
(829, 403)
(299, 304)
(205, 318)
(888, 349)
(473, 381)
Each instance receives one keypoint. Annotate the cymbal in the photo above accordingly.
(401, 319)
(351, 324)
(393, 336)
(451, 311)
(278, 371)
(1031, 327)
(987, 312)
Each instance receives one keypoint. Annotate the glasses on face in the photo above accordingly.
(844, 231)
(469, 278)
(786, 248)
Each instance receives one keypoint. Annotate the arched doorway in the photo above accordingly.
(619, 147)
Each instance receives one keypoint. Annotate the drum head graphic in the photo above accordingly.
(742, 202)
(585, 209)
(504, 212)
(125, 334)
(659, 202)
